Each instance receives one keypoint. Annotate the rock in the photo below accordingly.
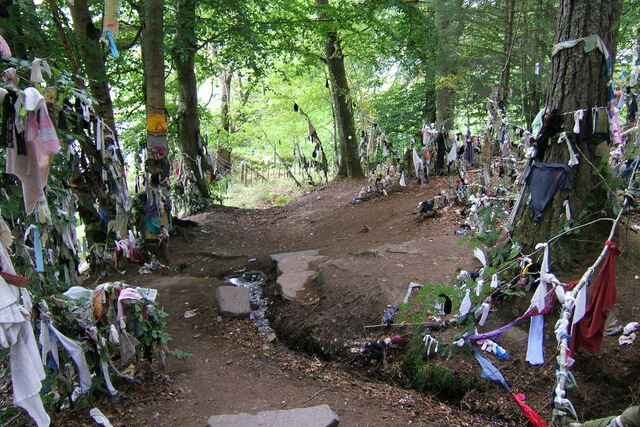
(299, 262)
(280, 257)
(315, 416)
(291, 282)
(233, 301)
(515, 334)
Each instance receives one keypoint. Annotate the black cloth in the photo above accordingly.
(632, 109)
(8, 120)
(442, 148)
(544, 180)
(551, 126)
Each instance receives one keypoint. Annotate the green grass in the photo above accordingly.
(263, 194)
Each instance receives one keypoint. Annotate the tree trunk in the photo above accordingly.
(224, 149)
(92, 61)
(93, 56)
(449, 31)
(157, 203)
(445, 107)
(505, 74)
(579, 81)
(188, 120)
(349, 166)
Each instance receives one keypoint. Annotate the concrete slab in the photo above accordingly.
(291, 282)
(299, 263)
(316, 416)
(233, 301)
(280, 257)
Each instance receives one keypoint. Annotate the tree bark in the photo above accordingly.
(505, 74)
(224, 150)
(93, 57)
(579, 81)
(349, 164)
(157, 147)
(188, 120)
(92, 61)
(449, 31)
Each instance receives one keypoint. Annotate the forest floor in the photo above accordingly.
(374, 250)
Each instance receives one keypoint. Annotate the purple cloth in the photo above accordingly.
(532, 311)
(468, 151)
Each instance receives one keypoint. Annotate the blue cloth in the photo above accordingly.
(535, 348)
(37, 248)
(112, 44)
(489, 371)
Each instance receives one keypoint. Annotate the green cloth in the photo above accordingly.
(629, 418)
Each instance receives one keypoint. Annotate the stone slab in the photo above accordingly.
(291, 282)
(299, 262)
(515, 334)
(233, 301)
(315, 416)
(280, 257)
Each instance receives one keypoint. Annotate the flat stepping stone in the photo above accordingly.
(516, 334)
(280, 257)
(316, 416)
(233, 301)
(291, 282)
(299, 262)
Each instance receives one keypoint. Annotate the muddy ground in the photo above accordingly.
(374, 249)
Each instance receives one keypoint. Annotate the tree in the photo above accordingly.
(579, 81)
(188, 120)
(449, 31)
(349, 163)
(224, 150)
(93, 58)
(157, 205)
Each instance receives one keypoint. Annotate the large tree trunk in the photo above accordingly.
(579, 81)
(349, 165)
(157, 192)
(189, 137)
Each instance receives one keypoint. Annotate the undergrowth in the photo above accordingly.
(263, 194)
(427, 373)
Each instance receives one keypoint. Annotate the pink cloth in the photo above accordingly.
(5, 51)
(42, 143)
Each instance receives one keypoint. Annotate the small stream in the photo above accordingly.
(254, 281)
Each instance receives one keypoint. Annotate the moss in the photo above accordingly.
(427, 375)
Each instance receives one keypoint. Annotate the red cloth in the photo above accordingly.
(588, 332)
(571, 285)
(534, 419)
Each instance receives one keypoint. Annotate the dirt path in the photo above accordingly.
(374, 250)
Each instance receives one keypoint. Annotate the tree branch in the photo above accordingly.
(134, 41)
